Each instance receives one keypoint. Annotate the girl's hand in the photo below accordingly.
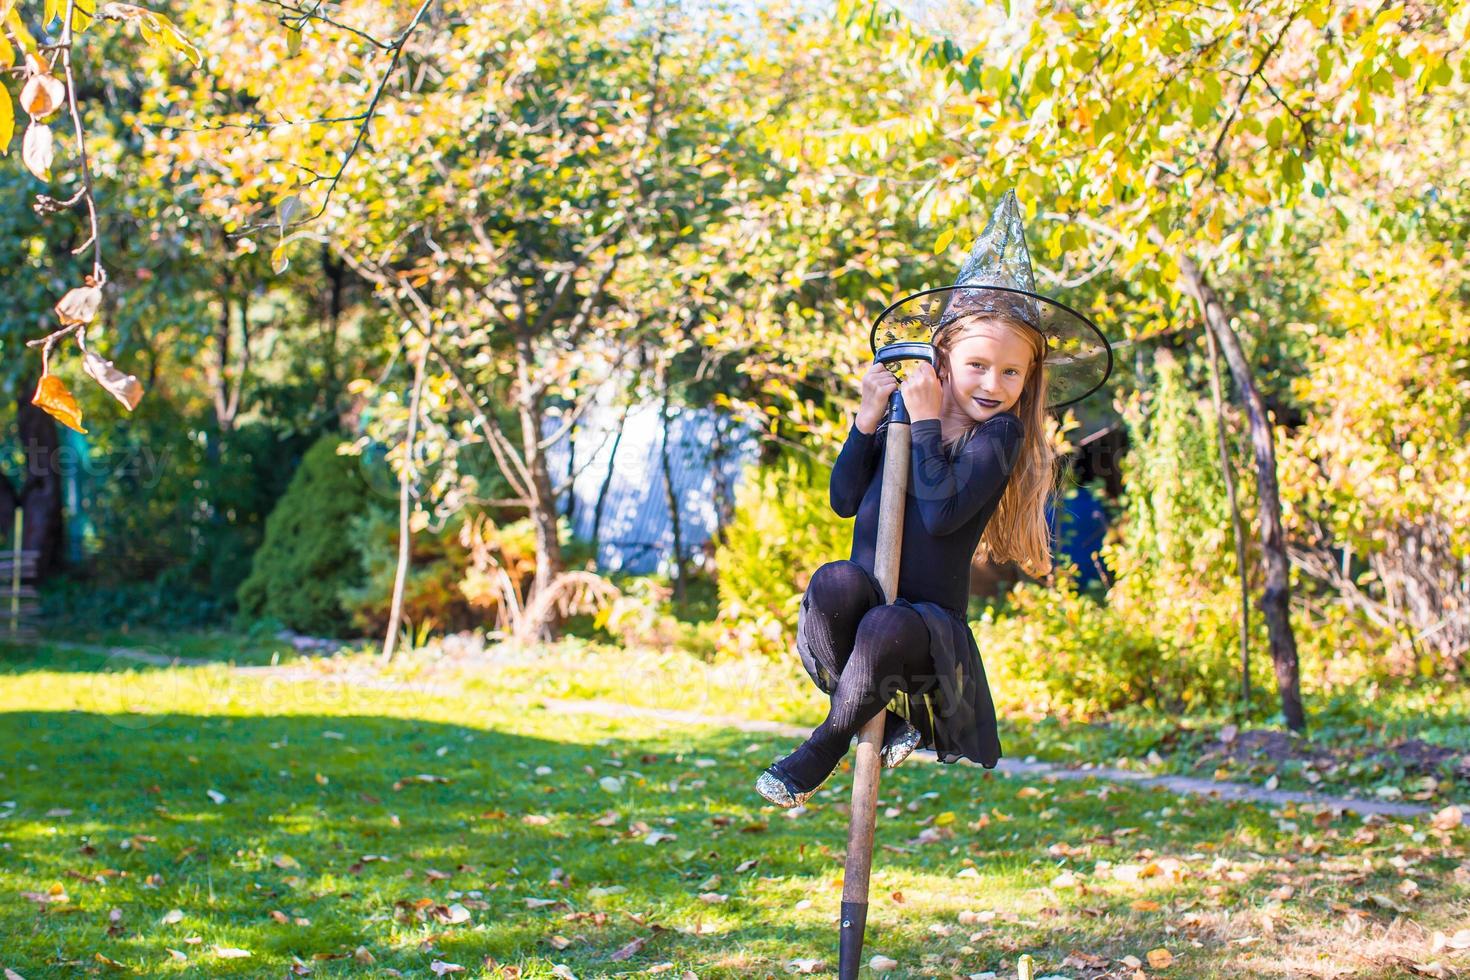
(879, 385)
(922, 395)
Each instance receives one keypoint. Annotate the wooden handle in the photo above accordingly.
(866, 768)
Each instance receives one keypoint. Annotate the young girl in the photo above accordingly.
(981, 472)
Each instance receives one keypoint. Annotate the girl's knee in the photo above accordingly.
(838, 583)
(892, 619)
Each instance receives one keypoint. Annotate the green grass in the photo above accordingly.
(322, 820)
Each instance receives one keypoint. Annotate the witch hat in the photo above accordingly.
(997, 279)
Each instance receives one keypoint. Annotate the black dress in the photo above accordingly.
(951, 497)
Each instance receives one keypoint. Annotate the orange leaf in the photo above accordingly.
(1160, 958)
(53, 398)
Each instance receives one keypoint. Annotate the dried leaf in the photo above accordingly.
(439, 968)
(126, 388)
(628, 951)
(1159, 958)
(42, 95)
(79, 305)
(53, 398)
(1447, 819)
(37, 150)
(230, 953)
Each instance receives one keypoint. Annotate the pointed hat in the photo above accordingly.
(997, 279)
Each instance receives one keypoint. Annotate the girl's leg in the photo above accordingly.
(839, 594)
(891, 653)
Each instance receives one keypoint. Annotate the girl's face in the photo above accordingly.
(987, 371)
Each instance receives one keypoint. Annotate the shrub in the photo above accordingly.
(433, 593)
(1051, 651)
(308, 557)
(782, 530)
(1173, 550)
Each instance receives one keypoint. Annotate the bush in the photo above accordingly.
(433, 593)
(1053, 651)
(782, 530)
(308, 557)
(1173, 550)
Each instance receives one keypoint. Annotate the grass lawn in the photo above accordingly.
(207, 821)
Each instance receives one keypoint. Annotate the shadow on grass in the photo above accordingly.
(422, 840)
(369, 828)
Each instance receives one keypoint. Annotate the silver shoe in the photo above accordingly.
(772, 788)
(901, 747)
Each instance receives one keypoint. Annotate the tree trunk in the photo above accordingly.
(670, 496)
(1228, 471)
(549, 564)
(336, 270)
(1276, 602)
(405, 506)
(41, 493)
(612, 461)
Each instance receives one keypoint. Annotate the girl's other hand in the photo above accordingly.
(879, 384)
(922, 395)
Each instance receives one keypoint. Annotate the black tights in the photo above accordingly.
(873, 649)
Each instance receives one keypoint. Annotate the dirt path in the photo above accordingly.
(1183, 785)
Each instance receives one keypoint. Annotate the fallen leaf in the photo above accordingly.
(230, 953)
(1447, 819)
(1159, 958)
(806, 966)
(883, 963)
(439, 968)
(628, 951)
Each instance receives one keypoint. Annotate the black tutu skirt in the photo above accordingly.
(956, 715)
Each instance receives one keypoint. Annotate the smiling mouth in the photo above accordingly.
(986, 404)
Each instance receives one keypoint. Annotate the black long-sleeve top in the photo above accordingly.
(951, 497)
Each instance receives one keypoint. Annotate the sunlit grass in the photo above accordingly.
(410, 827)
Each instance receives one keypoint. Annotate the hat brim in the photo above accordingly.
(1078, 359)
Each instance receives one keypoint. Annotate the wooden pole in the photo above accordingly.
(861, 822)
(15, 556)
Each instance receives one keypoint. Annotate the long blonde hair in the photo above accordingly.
(1017, 530)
